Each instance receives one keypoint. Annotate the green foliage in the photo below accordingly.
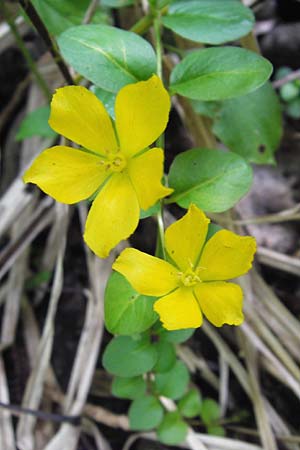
(117, 3)
(173, 429)
(128, 357)
(108, 56)
(107, 98)
(212, 179)
(145, 413)
(190, 404)
(210, 22)
(126, 311)
(173, 384)
(289, 91)
(131, 388)
(36, 124)
(177, 336)
(60, 15)
(251, 125)
(216, 430)
(293, 108)
(166, 356)
(219, 73)
(210, 411)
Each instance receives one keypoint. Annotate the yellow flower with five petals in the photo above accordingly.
(119, 162)
(194, 281)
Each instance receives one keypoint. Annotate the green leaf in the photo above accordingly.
(132, 388)
(177, 336)
(293, 109)
(212, 179)
(108, 56)
(36, 124)
(209, 22)
(126, 311)
(127, 357)
(213, 228)
(117, 3)
(190, 404)
(216, 430)
(107, 98)
(219, 73)
(151, 211)
(172, 430)
(145, 413)
(60, 15)
(251, 125)
(173, 383)
(166, 356)
(289, 91)
(210, 411)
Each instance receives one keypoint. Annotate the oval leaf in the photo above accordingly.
(132, 388)
(126, 312)
(108, 56)
(173, 429)
(212, 179)
(219, 73)
(173, 383)
(190, 404)
(251, 125)
(166, 356)
(127, 357)
(145, 413)
(209, 22)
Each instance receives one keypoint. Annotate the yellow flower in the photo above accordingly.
(128, 173)
(192, 282)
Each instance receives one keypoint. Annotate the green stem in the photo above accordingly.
(160, 243)
(31, 64)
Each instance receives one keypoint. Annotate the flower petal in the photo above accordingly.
(179, 310)
(226, 255)
(77, 114)
(142, 111)
(185, 238)
(146, 172)
(147, 274)
(220, 302)
(66, 174)
(114, 215)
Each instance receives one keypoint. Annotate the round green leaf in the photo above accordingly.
(127, 357)
(173, 383)
(212, 179)
(216, 430)
(108, 56)
(172, 430)
(209, 22)
(132, 388)
(145, 413)
(126, 312)
(176, 336)
(210, 411)
(293, 109)
(36, 124)
(166, 356)
(251, 125)
(190, 404)
(219, 73)
(289, 92)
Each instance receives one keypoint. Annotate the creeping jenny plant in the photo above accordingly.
(120, 163)
(193, 282)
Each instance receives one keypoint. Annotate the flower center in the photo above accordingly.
(115, 162)
(189, 278)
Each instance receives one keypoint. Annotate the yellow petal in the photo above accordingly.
(220, 302)
(114, 215)
(77, 114)
(66, 174)
(185, 238)
(147, 274)
(146, 172)
(226, 255)
(142, 112)
(179, 310)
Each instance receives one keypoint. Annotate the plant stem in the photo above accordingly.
(43, 32)
(160, 243)
(31, 64)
